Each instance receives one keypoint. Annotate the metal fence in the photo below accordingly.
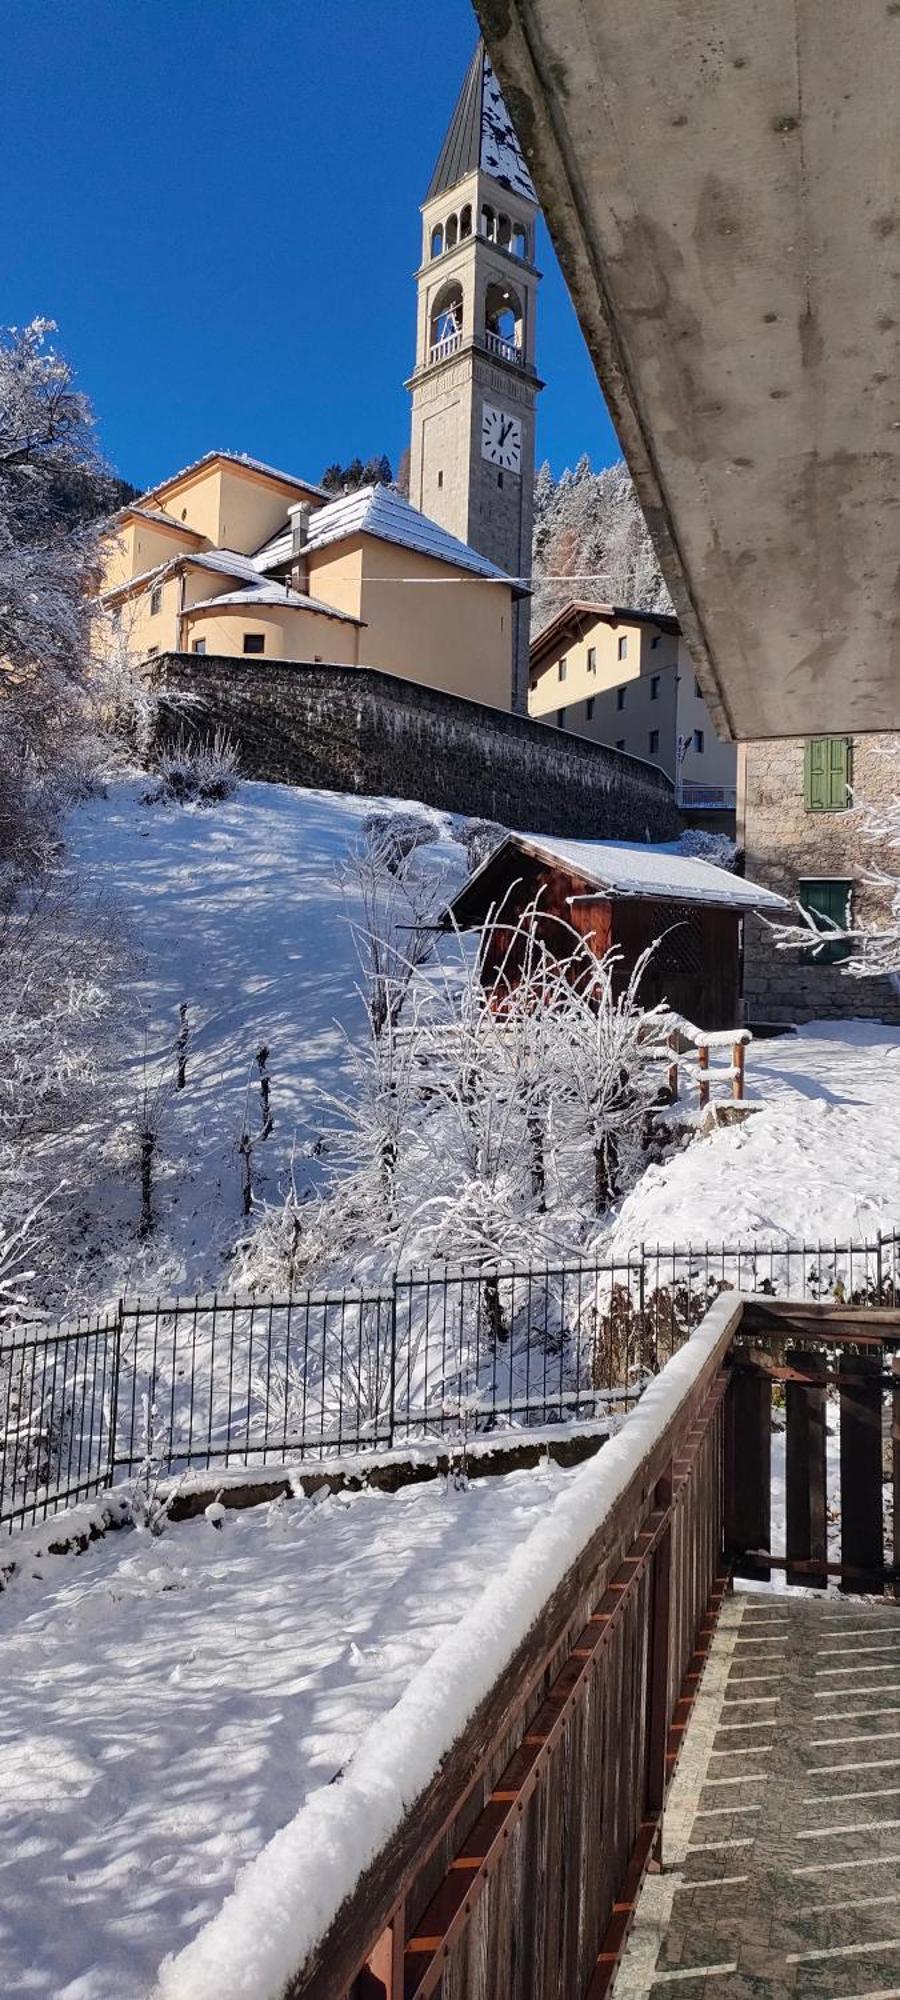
(173, 1385)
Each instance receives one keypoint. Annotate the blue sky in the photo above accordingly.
(217, 200)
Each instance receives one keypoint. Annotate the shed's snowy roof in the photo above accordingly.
(378, 511)
(481, 136)
(641, 870)
(234, 458)
(272, 593)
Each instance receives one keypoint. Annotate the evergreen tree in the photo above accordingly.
(591, 542)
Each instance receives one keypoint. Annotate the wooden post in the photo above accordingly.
(895, 1466)
(658, 1665)
(737, 1066)
(862, 1527)
(748, 1467)
(806, 1535)
(672, 1071)
(703, 1064)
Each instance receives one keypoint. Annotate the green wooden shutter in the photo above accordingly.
(838, 772)
(816, 774)
(826, 773)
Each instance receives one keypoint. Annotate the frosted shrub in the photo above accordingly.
(198, 770)
(479, 837)
(148, 1506)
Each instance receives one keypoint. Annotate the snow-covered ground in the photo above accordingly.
(167, 1703)
(819, 1162)
(239, 912)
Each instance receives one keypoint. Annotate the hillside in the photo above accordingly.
(240, 912)
(591, 541)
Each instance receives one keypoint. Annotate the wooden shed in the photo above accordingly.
(625, 895)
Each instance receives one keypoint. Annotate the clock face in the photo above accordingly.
(501, 438)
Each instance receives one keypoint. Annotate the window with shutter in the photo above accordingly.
(826, 774)
(828, 903)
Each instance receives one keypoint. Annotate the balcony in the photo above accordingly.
(505, 350)
(442, 349)
(706, 798)
(493, 343)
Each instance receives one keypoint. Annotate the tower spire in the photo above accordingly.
(481, 137)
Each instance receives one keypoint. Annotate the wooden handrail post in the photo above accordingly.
(672, 1071)
(658, 1665)
(737, 1065)
(703, 1064)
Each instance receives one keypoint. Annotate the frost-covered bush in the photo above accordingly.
(198, 770)
(493, 1120)
(399, 897)
(717, 848)
(479, 837)
(148, 1505)
(393, 837)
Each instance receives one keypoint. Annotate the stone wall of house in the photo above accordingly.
(784, 842)
(354, 729)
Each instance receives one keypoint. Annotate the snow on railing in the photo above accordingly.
(681, 1038)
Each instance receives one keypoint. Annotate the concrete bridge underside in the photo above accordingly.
(722, 182)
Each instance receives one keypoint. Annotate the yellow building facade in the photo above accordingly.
(624, 678)
(232, 557)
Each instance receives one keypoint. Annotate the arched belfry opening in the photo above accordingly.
(446, 321)
(504, 323)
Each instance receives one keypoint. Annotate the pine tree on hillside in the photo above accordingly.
(349, 478)
(591, 541)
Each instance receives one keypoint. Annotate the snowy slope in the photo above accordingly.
(819, 1161)
(237, 910)
(166, 1705)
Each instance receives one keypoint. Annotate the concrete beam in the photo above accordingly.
(722, 182)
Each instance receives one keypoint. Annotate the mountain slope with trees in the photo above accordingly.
(591, 541)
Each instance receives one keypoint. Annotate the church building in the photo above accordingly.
(232, 557)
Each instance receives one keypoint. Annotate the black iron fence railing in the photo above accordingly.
(170, 1385)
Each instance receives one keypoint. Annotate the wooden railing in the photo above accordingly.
(517, 1870)
(817, 1360)
(570, 1753)
(687, 1051)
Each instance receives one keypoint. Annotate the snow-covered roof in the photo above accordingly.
(580, 611)
(234, 458)
(260, 593)
(634, 870)
(481, 136)
(163, 520)
(223, 562)
(378, 511)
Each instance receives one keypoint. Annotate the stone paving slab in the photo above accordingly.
(781, 1842)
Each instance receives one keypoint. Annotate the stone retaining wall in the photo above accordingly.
(353, 729)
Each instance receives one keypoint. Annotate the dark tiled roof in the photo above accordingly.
(481, 135)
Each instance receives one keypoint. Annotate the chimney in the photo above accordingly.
(298, 516)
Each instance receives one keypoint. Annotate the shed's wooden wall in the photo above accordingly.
(695, 968)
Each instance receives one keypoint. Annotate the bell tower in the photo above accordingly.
(475, 386)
